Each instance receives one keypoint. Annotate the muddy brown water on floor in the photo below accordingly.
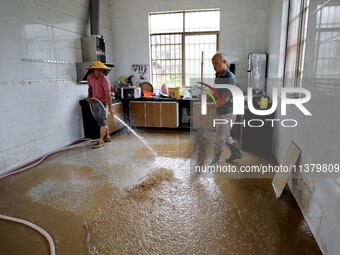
(119, 199)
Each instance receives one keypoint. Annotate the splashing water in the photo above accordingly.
(121, 121)
(137, 135)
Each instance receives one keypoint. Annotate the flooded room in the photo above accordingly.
(170, 127)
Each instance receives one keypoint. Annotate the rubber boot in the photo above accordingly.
(234, 153)
(215, 161)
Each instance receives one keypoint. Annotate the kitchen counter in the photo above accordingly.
(184, 108)
(91, 128)
(84, 101)
(158, 99)
(116, 101)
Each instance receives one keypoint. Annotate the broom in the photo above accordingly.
(201, 142)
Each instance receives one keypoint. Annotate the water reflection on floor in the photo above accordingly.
(120, 199)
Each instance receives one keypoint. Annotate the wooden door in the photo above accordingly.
(118, 108)
(111, 123)
(153, 114)
(137, 114)
(205, 121)
(169, 113)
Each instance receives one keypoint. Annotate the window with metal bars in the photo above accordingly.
(296, 40)
(177, 40)
(326, 44)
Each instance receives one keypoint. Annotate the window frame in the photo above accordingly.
(300, 44)
(183, 34)
(326, 81)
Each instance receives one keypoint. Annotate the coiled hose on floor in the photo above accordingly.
(28, 165)
(35, 227)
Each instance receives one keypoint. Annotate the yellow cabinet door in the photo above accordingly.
(118, 108)
(153, 114)
(137, 114)
(204, 121)
(112, 123)
(169, 113)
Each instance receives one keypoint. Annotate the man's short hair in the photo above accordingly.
(222, 56)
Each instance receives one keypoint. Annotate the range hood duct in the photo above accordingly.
(93, 46)
(94, 17)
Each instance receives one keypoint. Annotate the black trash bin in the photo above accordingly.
(91, 128)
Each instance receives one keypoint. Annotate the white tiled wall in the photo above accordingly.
(243, 30)
(39, 98)
(317, 136)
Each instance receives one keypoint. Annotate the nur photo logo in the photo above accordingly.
(239, 105)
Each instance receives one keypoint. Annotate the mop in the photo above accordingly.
(201, 142)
